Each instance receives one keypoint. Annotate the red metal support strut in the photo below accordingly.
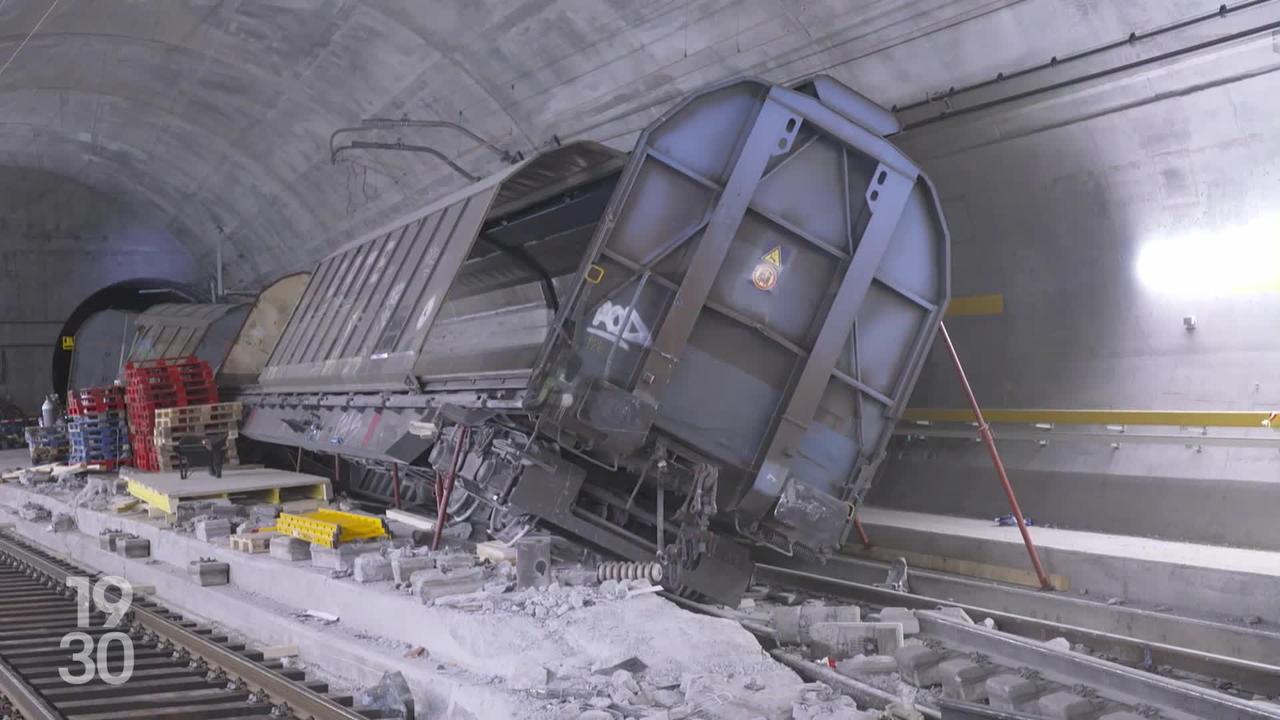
(862, 533)
(444, 485)
(984, 431)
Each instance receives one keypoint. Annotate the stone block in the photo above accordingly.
(434, 583)
(1065, 706)
(290, 548)
(264, 511)
(134, 547)
(867, 665)
(404, 566)
(918, 665)
(211, 529)
(371, 567)
(1011, 692)
(957, 613)
(1060, 644)
(963, 679)
(450, 560)
(904, 617)
(846, 639)
(793, 622)
(342, 557)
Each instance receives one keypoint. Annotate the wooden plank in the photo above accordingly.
(956, 566)
(232, 481)
(421, 522)
(496, 551)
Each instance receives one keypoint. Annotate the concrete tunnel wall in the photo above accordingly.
(166, 126)
(60, 241)
(1058, 220)
(214, 118)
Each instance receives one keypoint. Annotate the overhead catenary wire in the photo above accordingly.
(26, 39)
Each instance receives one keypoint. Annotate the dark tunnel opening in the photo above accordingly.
(132, 296)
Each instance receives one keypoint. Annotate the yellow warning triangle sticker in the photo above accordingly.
(774, 257)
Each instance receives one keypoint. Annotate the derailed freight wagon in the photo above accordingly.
(671, 354)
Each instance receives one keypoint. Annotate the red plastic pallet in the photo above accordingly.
(159, 384)
(96, 400)
(165, 362)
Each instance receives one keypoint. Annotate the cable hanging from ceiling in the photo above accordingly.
(375, 124)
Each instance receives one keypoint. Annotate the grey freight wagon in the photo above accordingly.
(671, 354)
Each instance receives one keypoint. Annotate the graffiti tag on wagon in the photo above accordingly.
(621, 324)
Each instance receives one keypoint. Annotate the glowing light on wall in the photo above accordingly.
(1243, 259)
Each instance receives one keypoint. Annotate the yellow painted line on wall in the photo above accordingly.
(1186, 418)
(971, 305)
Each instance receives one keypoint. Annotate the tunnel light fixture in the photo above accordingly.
(1243, 259)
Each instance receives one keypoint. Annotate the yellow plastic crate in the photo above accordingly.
(330, 528)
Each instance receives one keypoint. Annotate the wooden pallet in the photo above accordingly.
(171, 423)
(168, 459)
(164, 490)
(199, 413)
(170, 435)
(253, 543)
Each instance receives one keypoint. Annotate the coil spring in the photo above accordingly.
(651, 571)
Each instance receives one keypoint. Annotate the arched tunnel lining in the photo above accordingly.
(131, 296)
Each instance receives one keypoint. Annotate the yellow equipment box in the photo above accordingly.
(330, 528)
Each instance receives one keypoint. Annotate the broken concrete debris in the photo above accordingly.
(904, 617)
(324, 617)
(342, 557)
(403, 566)
(435, 583)
(844, 639)
(32, 512)
(62, 522)
(371, 567)
(556, 591)
(866, 664)
(793, 623)
(210, 529)
(391, 698)
(289, 548)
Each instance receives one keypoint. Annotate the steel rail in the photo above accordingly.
(303, 703)
(1072, 668)
(23, 697)
(1016, 645)
(1253, 676)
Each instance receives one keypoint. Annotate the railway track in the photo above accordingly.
(149, 664)
(1114, 676)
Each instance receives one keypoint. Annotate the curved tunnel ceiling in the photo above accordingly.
(216, 114)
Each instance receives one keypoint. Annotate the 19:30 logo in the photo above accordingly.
(94, 653)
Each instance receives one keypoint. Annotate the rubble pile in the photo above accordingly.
(664, 663)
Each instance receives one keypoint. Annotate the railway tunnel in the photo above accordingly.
(639, 359)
